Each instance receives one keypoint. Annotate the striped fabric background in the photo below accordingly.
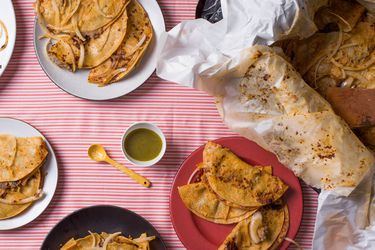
(187, 117)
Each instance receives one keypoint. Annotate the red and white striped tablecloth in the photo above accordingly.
(187, 117)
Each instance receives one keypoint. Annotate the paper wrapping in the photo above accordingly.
(262, 97)
(347, 222)
(274, 106)
(197, 45)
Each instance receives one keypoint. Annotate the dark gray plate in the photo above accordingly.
(209, 10)
(98, 219)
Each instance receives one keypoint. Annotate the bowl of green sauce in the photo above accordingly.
(144, 144)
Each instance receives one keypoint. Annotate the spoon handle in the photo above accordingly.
(138, 178)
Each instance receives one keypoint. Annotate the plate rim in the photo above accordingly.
(160, 13)
(103, 206)
(13, 45)
(218, 140)
(53, 156)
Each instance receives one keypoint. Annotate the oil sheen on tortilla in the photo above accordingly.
(86, 15)
(233, 180)
(200, 200)
(96, 50)
(128, 55)
(31, 152)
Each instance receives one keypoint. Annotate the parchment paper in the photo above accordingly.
(197, 45)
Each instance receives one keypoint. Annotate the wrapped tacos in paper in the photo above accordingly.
(340, 55)
(262, 97)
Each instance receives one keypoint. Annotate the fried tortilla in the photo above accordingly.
(16, 191)
(124, 60)
(86, 16)
(107, 241)
(337, 11)
(30, 154)
(66, 52)
(8, 145)
(236, 181)
(267, 169)
(342, 54)
(259, 232)
(203, 203)
(283, 231)
(337, 59)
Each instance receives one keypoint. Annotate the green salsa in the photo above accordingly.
(143, 144)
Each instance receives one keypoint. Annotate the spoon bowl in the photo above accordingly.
(97, 153)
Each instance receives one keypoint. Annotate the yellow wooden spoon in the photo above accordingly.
(97, 153)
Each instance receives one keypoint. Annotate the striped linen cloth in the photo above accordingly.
(188, 118)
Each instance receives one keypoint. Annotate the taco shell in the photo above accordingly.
(272, 221)
(66, 51)
(236, 181)
(30, 154)
(8, 146)
(124, 60)
(87, 15)
(204, 203)
(31, 187)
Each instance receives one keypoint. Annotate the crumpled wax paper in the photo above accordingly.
(347, 222)
(261, 96)
(197, 45)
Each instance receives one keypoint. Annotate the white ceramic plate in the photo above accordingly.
(77, 84)
(22, 129)
(9, 19)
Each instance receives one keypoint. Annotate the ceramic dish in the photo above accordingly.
(197, 233)
(152, 127)
(8, 17)
(102, 218)
(50, 170)
(76, 83)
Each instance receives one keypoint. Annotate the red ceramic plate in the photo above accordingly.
(196, 233)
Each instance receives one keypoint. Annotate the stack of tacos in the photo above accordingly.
(228, 190)
(109, 241)
(341, 54)
(21, 177)
(107, 36)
